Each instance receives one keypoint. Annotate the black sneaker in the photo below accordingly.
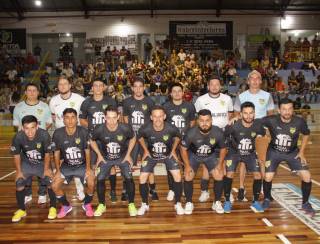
(154, 195)
(113, 196)
(241, 194)
(307, 207)
(124, 197)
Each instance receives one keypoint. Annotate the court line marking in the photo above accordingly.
(288, 169)
(5, 176)
(267, 222)
(4, 157)
(283, 239)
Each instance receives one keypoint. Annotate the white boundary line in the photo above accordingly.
(5, 176)
(5, 157)
(267, 222)
(283, 239)
(286, 168)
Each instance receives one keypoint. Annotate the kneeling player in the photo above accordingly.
(31, 148)
(285, 129)
(117, 141)
(242, 137)
(199, 146)
(159, 141)
(72, 143)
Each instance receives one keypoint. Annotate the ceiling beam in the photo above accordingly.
(85, 8)
(218, 9)
(18, 9)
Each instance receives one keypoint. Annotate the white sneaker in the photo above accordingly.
(79, 187)
(42, 199)
(143, 209)
(170, 196)
(188, 208)
(204, 196)
(27, 199)
(217, 206)
(179, 209)
(231, 197)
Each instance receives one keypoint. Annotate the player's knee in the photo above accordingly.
(230, 174)
(268, 177)
(257, 176)
(305, 175)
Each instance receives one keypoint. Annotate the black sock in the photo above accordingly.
(177, 188)
(53, 199)
(152, 187)
(101, 189)
(130, 189)
(256, 188)
(188, 190)
(113, 182)
(87, 199)
(63, 200)
(204, 185)
(20, 199)
(306, 190)
(170, 180)
(124, 186)
(144, 191)
(267, 189)
(227, 185)
(218, 188)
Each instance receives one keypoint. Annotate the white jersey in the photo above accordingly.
(58, 105)
(219, 107)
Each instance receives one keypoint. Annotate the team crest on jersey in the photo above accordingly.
(212, 141)
(268, 163)
(229, 163)
(292, 130)
(78, 140)
(104, 106)
(222, 103)
(39, 145)
(119, 137)
(144, 163)
(72, 104)
(261, 101)
(253, 134)
(184, 110)
(39, 111)
(144, 106)
(165, 137)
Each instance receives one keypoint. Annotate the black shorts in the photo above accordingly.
(210, 162)
(103, 171)
(274, 158)
(69, 172)
(147, 166)
(251, 161)
(28, 170)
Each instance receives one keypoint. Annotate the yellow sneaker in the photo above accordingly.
(18, 215)
(52, 213)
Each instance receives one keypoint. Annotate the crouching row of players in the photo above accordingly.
(161, 143)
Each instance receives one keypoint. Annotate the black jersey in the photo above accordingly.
(242, 139)
(93, 111)
(72, 147)
(138, 111)
(114, 144)
(180, 115)
(32, 151)
(284, 136)
(204, 145)
(159, 143)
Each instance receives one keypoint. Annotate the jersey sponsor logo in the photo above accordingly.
(137, 118)
(292, 130)
(245, 144)
(159, 149)
(282, 142)
(73, 155)
(38, 145)
(204, 150)
(113, 148)
(179, 121)
(184, 110)
(119, 137)
(34, 156)
(78, 140)
(212, 141)
(98, 118)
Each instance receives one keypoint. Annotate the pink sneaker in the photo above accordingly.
(64, 210)
(88, 209)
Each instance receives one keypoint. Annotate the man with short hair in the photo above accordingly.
(31, 148)
(72, 159)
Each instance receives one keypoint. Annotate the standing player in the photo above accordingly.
(66, 99)
(92, 114)
(221, 107)
(33, 106)
(285, 130)
(159, 141)
(200, 145)
(117, 141)
(31, 148)
(71, 144)
(264, 106)
(242, 149)
(181, 114)
(136, 112)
